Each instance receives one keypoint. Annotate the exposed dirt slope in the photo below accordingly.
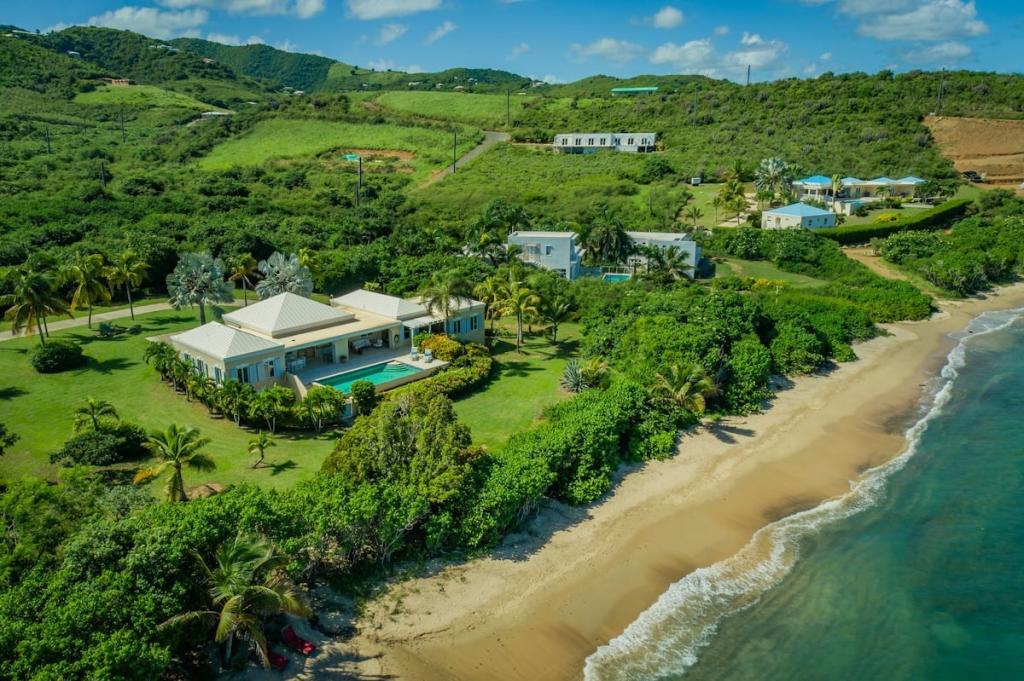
(994, 148)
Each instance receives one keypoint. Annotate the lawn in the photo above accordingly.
(39, 408)
(703, 196)
(141, 95)
(414, 150)
(485, 111)
(99, 309)
(872, 216)
(522, 386)
(762, 269)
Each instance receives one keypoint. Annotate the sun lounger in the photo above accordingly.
(296, 642)
(277, 661)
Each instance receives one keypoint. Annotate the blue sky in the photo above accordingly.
(562, 40)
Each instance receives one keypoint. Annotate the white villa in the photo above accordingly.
(590, 142)
(291, 335)
(796, 216)
(819, 188)
(560, 252)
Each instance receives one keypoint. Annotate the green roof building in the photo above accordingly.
(648, 90)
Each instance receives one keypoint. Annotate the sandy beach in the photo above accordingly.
(575, 578)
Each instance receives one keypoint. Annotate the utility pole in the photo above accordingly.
(103, 175)
(942, 84)
(455, 149)
(123, 137)
(650, 201)
(359, 181)
(508, 109)
(49, 150)
(748, 74)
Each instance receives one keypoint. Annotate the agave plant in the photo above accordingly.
(572, 377)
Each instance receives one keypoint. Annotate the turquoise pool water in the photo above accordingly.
(614, 277)
(376, 374)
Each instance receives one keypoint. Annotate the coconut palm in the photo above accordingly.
(161, 356)
(258, 447)
(489, 292)
(284, 274)
(242, 269)
(198, 279)
(685, 386)
(693, 214)
(91, 414)
(606, 240)
(234, 399)
(837, 186)
(128, 270)
(246, 585)
(175, 448)
(443, 294)
(270, 403)
(554, 311)
(522, 302)
(310, 259)
(32, 296)
(86, 274)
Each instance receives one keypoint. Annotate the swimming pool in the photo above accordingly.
(377, 374)
(616, 276)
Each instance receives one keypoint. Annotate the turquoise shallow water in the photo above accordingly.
(917, 574)
(376, 374)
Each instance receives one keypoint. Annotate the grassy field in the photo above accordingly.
(523, 385)
(762, 269)
(485, 111)
(703, 196)
(293, 138)
(141, 95)
(116, 372)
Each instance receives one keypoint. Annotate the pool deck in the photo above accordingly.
(371, 356)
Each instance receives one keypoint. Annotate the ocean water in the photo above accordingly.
(917, 573)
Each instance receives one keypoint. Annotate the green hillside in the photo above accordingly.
(140, 95)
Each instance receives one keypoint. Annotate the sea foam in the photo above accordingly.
(667, 638)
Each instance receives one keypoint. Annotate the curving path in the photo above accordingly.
(491, 138)
(61, 324)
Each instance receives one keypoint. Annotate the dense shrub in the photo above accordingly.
(57, 355)
(904, 246)
(750, 366)
(796, 350)
(939, 217)
(104, 447)
(364, 397)
(444, 348)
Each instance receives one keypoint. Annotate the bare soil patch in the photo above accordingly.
(992, 147)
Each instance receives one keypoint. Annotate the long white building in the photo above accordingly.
(590, 142)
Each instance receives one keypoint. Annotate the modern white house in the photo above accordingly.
(590, 142)
(289, 334)
(680, 241)
(797, 215)
(559, 252)
(819, 188)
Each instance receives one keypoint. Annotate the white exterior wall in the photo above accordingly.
(665, 241)
(588, 142)
(258, 365)
(553, 251)
(770, 220)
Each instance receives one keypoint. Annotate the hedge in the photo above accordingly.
(934, 218)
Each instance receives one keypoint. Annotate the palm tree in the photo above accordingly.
(284, 274)
(235, 397)
(686, 387)
(489, 293)
(243, 268)
(672, 262)
(606, 240)
(773, 176)
(127, 270)
(86, 274)
(92, 413)
(837, 185)
(162, 356)
(310, 259)
(522, 302)
(174, 448)
(198, 279)
(270, 403)
(246, 585)
(555, 311)
(444, 294)
(33, 296)
(259, 445)
(693, 214)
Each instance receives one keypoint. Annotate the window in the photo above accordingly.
(590, 141)
(457, 326)
(548, 250)
(271, 368)
(243, 374)
(474, 322)
(602, 141)
(218, 375)
(407, 333)
(630, 141)
(578, 141)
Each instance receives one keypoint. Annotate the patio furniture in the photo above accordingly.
(378, 343)
(414, 353)
(428, 356)
(360, 344)
(296, 642)
(277, 661)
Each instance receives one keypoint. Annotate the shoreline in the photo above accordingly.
(542, 602)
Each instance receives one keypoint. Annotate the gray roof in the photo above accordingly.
(222, 342)
(287, 314)
(381, 304)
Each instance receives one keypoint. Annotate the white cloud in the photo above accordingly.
(932, 20)
(303, 9)
(382, 9)
(390, 32)
(825, 56)
(721, 30)
(701, 57)
(440, 32)
(940, 53)
(551, 79)
(387, 64)
(667, 17)
(152, 21)
(519, 50)
(286, 46)
(618, 51)
(226, 39)
(810, 69)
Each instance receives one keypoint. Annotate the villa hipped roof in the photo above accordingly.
(815, 179)
(380, 304)
(819, 180)
(800, 210)
(287, 314)
(223, 342)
